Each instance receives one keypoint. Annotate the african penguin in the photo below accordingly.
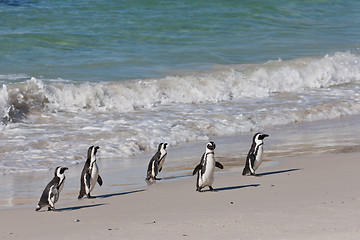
(156, 162)
(90, 174)
(163, 153)
(205, 169)
(255, 154)
(51, 192)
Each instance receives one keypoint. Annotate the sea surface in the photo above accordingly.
(128, 75)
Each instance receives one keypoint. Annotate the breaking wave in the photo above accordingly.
(223, 83)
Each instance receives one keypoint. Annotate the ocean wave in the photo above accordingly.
(223, 83)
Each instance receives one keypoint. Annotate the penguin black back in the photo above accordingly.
(52, 189)
(90, 173)
(254, 157)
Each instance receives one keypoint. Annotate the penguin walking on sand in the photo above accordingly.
(206, 168)
(156, 162)
(255, 155)
(90, 174)
(52, 191)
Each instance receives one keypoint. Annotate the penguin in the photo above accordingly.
(254, 157)
(163, 153)
(205, 169)
(90, 174)
(52, 191)
(156, 162)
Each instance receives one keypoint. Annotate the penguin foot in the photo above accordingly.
(211, 189)
(90, 197)
(155, 178)
(199, 190)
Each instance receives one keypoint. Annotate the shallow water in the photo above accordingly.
(125, 174)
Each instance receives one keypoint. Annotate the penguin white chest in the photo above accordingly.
(53, 196)
(94, 173)
(61, 186)
(207, 177)
(258, 157)
(154, 169)
(162, 159)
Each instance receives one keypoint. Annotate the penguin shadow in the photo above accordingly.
(149, 183)
(119, 194)
(232, 188)
(176, 177)
(153, 182)
(277, 172)
(79, 207)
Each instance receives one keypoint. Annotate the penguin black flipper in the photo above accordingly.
(99, 180)
(87, 178)
(44, 196)
(252, 163)
(219, 165)
(54, 195)
(200, 165)
(250, 160)
(196, 169)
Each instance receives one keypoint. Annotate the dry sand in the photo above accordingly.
(302, 197)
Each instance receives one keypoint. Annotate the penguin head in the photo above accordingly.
(259, 137)
(59, 171)
(92, 152)
(210, 146)
(162, 146)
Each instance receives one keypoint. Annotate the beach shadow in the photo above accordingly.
(277, 172)
(233, 187)
(149, 183)
(175, 177)
(80, 207)
(119, 194)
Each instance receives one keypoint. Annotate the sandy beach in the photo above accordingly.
(310, 196)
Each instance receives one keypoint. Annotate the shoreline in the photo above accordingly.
(302, 197)
(330, 136)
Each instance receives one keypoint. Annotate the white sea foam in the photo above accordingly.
(53, 123)
(243, 81)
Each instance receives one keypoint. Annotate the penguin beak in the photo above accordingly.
(65, 168)
(211, 146)
(264, 136)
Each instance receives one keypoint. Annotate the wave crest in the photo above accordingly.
(224, 83)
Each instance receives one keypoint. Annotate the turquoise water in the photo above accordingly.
(120, 40)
